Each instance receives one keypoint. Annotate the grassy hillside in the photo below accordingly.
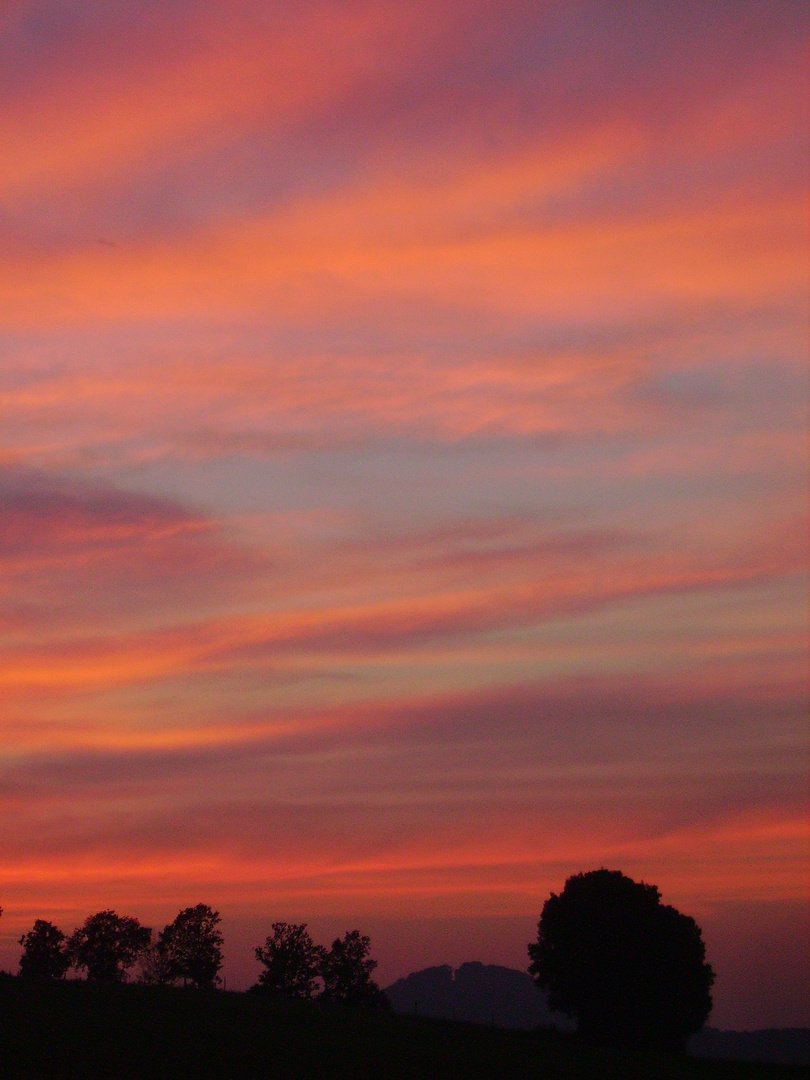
(72, 1030)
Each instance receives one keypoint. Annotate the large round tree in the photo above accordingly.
(630, 970)
(107, 945)
(44, 953)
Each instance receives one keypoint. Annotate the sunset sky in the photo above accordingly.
(403, 477)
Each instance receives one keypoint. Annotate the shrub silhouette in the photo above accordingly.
(44, 953)
(107, 945)
(292, 961)
(190, 948)
(630, 970)
(156, 965)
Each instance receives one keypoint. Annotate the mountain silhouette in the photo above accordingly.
(505, 997)
(475, 992)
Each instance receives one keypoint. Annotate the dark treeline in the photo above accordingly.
(66, 1029)
(188, 951)
(628, 970)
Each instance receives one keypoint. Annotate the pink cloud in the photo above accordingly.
(402, 455)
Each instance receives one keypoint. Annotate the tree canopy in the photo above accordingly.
(347, 970)
(630, 970)
(294, 964)
(190, 948)
(44, 953)
(107, 945)
(292, 961)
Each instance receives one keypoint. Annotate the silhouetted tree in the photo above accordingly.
(630, 970)
(292, 961)
(192, 946)
(107, 945)
(44, 954)
(346, 972)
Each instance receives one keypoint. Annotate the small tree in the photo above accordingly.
(155, 965)
(192, 946)
(107, 946)
(347, 969)
(44, 954)
(292, 961)
(630, 970)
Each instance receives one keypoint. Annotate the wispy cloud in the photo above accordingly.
(402, 452)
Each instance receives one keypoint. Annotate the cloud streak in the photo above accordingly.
(402, 455)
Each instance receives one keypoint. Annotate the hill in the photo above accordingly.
(478, 993)
(790, 1046)
(489, 994)
(67, 1030)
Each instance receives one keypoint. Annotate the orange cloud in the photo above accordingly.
(225, 73)
(402, 455)
(707, 257)
(352, 632)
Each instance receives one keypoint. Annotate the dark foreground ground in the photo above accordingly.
(83, 1032)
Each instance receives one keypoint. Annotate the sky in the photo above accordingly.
(403, 477)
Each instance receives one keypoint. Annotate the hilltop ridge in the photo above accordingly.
(508, 998)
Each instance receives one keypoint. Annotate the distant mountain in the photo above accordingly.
(479, 993)
(489, 994)
(786, 1046)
